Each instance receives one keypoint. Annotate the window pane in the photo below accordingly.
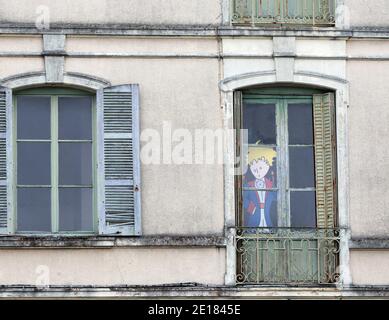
(300, 123)
(75, 163)
(260, 209)
(260, 121)
(302, 171)
(33, 117)
(34, 163)
(303, 209)
(262, 168)
(75, 209)
(75, 118)
(34, 208)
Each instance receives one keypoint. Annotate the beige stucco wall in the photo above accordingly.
(357, 12)
(138, 266)
(21, 44)
(368, 138)
(113, 11)
(369, 267)
(367, 13)
(10, 66)
(139, 45)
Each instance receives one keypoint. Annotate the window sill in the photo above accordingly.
(67, 241)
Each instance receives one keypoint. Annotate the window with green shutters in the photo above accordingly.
(286, 199)
(69, 161)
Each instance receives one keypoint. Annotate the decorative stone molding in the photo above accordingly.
(32, 79)
(54, 44)
(284, 52)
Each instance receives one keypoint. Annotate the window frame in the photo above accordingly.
(55, 94)
(282, 188)
(272, 94)
(248, 240)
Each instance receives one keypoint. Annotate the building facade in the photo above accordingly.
(208, 148)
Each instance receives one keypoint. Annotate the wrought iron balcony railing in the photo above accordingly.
(287, 256)
(290, 12)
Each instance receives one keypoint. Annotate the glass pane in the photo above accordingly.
(300, 123)
(260, 121)
(34, 209)
(260, 209)
(302, 171)
(34, 163)
(303, 209)
(75, 209)
(75, 118)
(33, 117)
(262, 168)
(75, 163)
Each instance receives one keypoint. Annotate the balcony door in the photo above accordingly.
(286, 198)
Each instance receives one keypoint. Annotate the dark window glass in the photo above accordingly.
(34, 207)
(260, 120)
(75, 209)
(33, 117)
(303, 209)
(34, 163)
(75, 163)
(301, 167)
(75, 118)
(300, 123)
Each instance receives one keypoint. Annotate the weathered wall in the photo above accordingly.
(113, 11)
(138, 266)
(368, 138)
(10, 66)
(370, 267)
(367, 13)
(16, 46)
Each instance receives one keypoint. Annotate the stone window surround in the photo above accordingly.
(284, 73)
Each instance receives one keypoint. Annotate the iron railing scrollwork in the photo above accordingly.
(290, 12)
(287, 256)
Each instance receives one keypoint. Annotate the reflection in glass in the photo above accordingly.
(260, 209)
(34, 163)
(75, 118)
(75, 209)
(260, 121)
(34, 207)
(33, 117)
(303, 209)
(301, 167)
(75, 163)
(300, 123)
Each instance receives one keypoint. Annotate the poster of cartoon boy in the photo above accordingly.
(260, 177)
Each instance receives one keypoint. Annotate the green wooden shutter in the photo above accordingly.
(325, 159)
(120, 160)
(5, 96)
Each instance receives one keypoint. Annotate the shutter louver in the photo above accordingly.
(121, 160)
(325, 159)
(4, 95)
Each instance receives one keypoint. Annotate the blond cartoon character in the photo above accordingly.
(258, 201)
